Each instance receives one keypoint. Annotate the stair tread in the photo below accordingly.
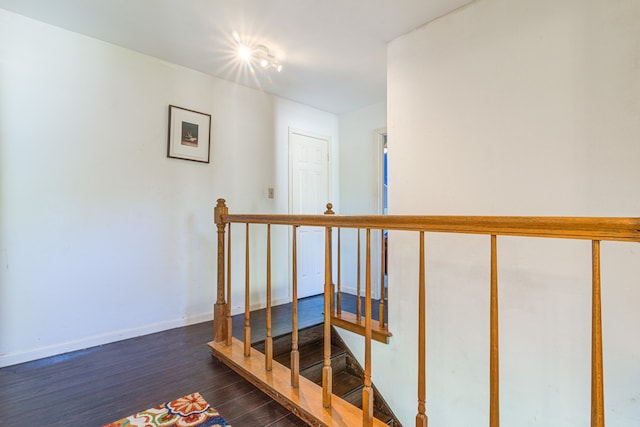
(344, 382)
(355, 398)
(307, 398)
(310, 354)
(382, 416)
(282, 343)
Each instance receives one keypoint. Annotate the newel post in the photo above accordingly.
(220, 329)
(327, 385)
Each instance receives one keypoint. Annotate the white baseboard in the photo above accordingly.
(259, 305)
(353, 291)
(101, 339)
(348, 290)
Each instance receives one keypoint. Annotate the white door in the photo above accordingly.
(309, 194)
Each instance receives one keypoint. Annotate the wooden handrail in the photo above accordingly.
(583, 228)
(586, 228)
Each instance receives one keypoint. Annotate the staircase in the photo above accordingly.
(347, 373)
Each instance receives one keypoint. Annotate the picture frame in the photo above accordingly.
(189, 135)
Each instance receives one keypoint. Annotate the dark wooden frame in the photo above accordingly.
(172, 140)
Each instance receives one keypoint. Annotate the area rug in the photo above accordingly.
(188, 411)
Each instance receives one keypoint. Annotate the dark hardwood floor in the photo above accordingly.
(102, 384)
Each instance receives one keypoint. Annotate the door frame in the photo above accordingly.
(376, 247)
(329, 141)
(379, 137)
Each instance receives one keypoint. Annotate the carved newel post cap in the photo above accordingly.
(220, 210)
(329, 210)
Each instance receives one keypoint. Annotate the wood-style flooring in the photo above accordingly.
(102, 384)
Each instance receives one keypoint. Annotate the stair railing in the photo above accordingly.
(577, 228)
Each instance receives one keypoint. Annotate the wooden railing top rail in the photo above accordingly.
(588, 228)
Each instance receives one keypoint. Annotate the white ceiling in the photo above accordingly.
(333, 51)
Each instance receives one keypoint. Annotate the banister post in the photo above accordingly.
(421, 417)
(358, 266)
(268, 341)
(220, 329)
(597, 381)
(494, 361)
(330, 211)
(327, 387)
(295, 354)
(229, 319)
(381, 303)
(339, 295)
(367, 389)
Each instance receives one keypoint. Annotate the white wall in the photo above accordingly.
(359, 185)
(359, 158)
(514, 107)
(102, 237)
(285, 115)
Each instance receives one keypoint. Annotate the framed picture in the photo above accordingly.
(189, 134)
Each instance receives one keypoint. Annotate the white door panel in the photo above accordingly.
(309, 171)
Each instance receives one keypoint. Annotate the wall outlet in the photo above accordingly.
(271, 193)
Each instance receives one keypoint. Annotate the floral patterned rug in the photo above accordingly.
(188, 411)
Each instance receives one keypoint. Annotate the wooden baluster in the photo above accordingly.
(229, 319)
(421, 417)
(358, 291)
(295, 355)
(247, 322)
(597, 386)
(367, 391)
(382, 290)
(268, 341)
(220, 331)
(327, 388)
(339, 295)
(329, 211)
(494, 405)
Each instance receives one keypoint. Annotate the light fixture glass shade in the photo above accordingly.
(258, 54)
(244, 52)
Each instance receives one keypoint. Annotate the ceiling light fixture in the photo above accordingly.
(244, 52)
(261, 55)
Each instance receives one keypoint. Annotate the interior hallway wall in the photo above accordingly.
(514, 107)
(102, 237)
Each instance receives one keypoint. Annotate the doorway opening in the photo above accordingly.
(382, 140)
